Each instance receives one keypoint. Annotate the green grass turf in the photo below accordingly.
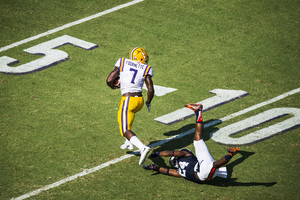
(61, 120)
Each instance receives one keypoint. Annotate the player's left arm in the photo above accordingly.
(150, 87)
(111, 77)
(170, 172)
(225, 159)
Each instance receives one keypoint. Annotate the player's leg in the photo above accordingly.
(144, 150)
(123, 123)
(198, 131)
(127, 145)
(201, 149)
(197, 108)
(129, 106)
(133, 139)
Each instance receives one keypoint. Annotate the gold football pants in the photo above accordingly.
(128, 107)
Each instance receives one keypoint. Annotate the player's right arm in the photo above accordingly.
(111, 77)
(168, 153)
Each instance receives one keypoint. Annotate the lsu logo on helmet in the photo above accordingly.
(139, 54)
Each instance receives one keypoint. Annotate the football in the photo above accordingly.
(117, 82)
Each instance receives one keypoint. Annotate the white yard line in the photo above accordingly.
(97, 168)
(69, 25)
(70, 178)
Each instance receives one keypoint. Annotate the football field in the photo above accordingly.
(59, 135)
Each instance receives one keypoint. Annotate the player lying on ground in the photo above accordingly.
(199, 168)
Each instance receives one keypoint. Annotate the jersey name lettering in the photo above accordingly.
(132, 64)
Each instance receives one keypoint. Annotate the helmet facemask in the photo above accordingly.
(173, 161)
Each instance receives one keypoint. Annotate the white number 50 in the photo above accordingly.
(52, 55)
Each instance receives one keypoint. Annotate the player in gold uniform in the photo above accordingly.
(132, 74)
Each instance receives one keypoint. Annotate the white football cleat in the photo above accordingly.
(127, 145)
(144, 155)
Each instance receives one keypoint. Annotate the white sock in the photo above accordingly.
(127, 141)
(136, 142)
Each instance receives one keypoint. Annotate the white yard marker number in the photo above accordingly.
(51, 57)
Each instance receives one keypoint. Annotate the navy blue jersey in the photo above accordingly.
(186, 167)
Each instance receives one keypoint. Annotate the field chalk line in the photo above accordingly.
(97, 168)
(70, 24)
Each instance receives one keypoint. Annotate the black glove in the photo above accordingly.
(155, 154)
(152, 167)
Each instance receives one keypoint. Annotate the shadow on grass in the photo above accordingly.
(220, 182)
(187, 139)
